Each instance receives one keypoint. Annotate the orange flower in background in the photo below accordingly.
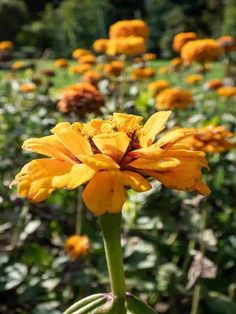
(164, 70)
(92, 77)
(61, 63)
(211, 139)
(87, 59)
(193, 78)
(127, 28)
(100, 45)
(149, 56)
(114, 68)
(109, 156)
(142, 73)
(181, 39)
(126, 45)
(79, 68)
(77, 246)
(174, 98)
(81, 98)
(227, 91)
(18, 65)
(201, 50)
(214, 84)
(157, 86)
(27, 88)
(176, 63)
(228, 43)
(6, 45)
(77, 53)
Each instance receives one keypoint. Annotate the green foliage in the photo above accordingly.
(229, 25)
(13, 14)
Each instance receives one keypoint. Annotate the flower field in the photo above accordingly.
(112, 143)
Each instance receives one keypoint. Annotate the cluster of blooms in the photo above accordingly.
(81, 98)
(6, 45)
(200, 50)
(127, 28)
(126, 45)
(142, 73)
(211, 139)
(109, 156)
(174, 98)
(77, 246)
(181, 39)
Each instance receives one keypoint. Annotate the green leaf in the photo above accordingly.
(136, 306)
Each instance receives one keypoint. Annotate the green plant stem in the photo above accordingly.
(196, 299)
(111, 229)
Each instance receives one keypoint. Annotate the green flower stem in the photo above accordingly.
(111, 228)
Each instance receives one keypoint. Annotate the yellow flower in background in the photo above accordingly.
(228, 43)
(18, 65)
(27, 88)
(61, 63)
(126, 45)
(77, 53)
(201, 50)
(164, 70)
(158, 85)
(92, 77)
(227, 91)
(174, 98)
(181, 39)
(77, 246)
(81, 98)
(100, 45)
(176, 63)
(127, 28)
(6, 45)
(79, 68)
(113, 68)
(211, 139)
(109, 156)
(214, 84)
(87, 59)
(193, 78)
(142, 73)
(149, 56)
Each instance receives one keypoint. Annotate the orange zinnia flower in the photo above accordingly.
(126, 45)
(181, 39)
(214, 84)
(149, 56)
(77, 53)
(174, 98)
(92, 77)
(157, 86)
(88, 59)
(109, 156)
(211, 139)
(61, 63)
(127, 28)
(27, 88)
(227, 91)
(77, 245)
(193, 78)
(228, 43)
(6, 45)
(142, 73)
(100, 45)
(176, 63)
(113, 68)
(79, 68)
(201, 50)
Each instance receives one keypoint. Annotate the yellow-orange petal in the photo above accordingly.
(73, 140)
(112, 144)
(135, 181)
(160, 165)
(150, 152)
(50, 146)
(126, 122)
(77, 175)
(99, 162)
(154, 125)
(104, 193)
(173, 136)
(185, 177)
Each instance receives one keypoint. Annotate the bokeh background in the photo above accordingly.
(179, 248)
